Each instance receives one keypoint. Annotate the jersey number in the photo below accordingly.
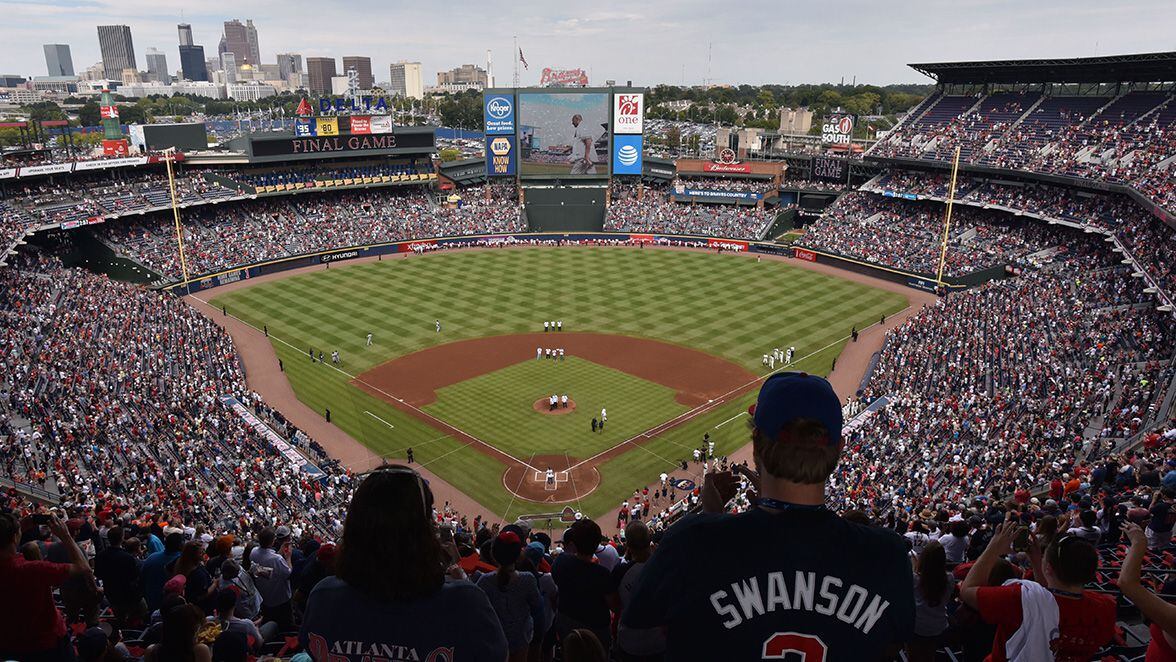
(808, 647)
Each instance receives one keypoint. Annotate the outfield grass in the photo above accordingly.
(726, 305)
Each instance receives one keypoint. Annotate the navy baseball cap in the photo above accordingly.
(787, 396)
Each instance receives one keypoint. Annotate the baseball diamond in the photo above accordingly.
(667, 341)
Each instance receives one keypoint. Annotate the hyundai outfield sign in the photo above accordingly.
(498, 114)
(628, 112)
(627, 154)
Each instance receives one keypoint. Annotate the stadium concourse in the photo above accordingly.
(1017, 425)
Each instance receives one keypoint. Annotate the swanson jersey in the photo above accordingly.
(802, 584)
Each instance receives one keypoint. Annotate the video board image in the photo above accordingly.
(563, 134)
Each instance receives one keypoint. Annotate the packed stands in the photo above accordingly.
(656, 212)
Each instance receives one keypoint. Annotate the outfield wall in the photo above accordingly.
(245, 272)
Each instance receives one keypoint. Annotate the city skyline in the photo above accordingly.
(683, 43)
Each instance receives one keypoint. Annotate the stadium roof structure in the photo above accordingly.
(1140, 68)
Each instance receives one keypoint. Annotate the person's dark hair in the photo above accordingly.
(1047, 529)
(857, 517)
(267, 536)
(585, 536)
(801, 453)
(173, 542)
(1072, 559)
(932, 573)
(583, 646)
(390, 547)
(246, 562)
(506, 550)
(226, 601)
(177, 637)
(190, 558)
(1088, 518)
(1001, 572)
(9, 528)
(958, 528)
(114, 537)
(637, 538)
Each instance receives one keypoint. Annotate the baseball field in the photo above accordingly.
(670, 343)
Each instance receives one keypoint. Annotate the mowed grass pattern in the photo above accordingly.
(497, 407)
(726, 305)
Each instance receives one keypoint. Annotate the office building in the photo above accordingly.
(289, 63)
(406, 80)
(185, 34)
(192, 63)
(118, 51)
(363, 67)
(157, 66)
(229, 66)
(58, 60)
(466, 74)
(320, 70)
(241, 40)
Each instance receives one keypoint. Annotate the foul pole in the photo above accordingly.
(955, 166)
(171, 185)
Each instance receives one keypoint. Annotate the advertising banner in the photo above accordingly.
(327, 126)
(498, 114)
(93, 220)
(896, 194)
(412, 246)
(837, 130)
(500, 156)
(807, 256)
(304, 128)
(108, 112)
(99, 164)
(7, 173)
(381, 124)
(627, 155)
(628, 113)
(715, 194)
(563, 78)
(47, 169)
(715, 166)
(726, 244)
(297, 460)
(641, 238)
(361, 124)
(323, 145)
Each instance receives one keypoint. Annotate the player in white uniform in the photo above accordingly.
(550, 476)
(603, 417)
(369, 340)
(559, 325)
(582, 150)
(772, 362)
(546, 327)
(788, 356)
(765, 359)
(538, 353)
(438, 323)
(564, 400)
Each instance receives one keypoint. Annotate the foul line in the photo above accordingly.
(379, 419)
(717, 402)
(422, 412)
(742, 413)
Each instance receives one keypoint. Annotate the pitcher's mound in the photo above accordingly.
(543, 406)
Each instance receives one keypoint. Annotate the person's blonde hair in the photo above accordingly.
(801, 453)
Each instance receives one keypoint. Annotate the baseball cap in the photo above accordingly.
(787, 396)
(175, 585)
(282, 533)
(326, 552)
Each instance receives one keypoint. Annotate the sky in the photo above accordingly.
(649, 42)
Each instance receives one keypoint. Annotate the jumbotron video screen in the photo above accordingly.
(564, 134)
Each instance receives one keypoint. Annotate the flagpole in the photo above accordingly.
(516, 61)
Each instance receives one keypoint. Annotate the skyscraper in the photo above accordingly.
(228, 62)
(118, 51)
(58, 60)
(289, 63)
(406, 80)
(241, 40)
(185, 34)
(363, 67)
(157, 66)
(320, 70)
(192, 63)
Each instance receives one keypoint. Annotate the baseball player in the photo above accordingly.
(369, 340)
(772, 362)
(581, 141)
(559, 325)
(550, 476)
(710, 449)
(564, 400)
(788, 356)
(765, 359)
(561, 354)
(546, 327)
(697, 455)
(603, 417)
(554, 399)
(438, 323)
(538, 353)
(335, 357)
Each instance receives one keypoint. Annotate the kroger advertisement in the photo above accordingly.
(563, 135)
(498, 114)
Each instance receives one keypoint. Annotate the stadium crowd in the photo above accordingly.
(266, 229)
(1122, 140)
(654, 211)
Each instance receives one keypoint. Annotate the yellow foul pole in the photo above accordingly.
(171, 185)
(955, 166)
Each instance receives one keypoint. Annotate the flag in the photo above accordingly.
(524, 60)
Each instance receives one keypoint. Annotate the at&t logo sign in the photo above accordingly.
(627, 155)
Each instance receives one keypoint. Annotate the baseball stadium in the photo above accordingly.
(222, 338)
